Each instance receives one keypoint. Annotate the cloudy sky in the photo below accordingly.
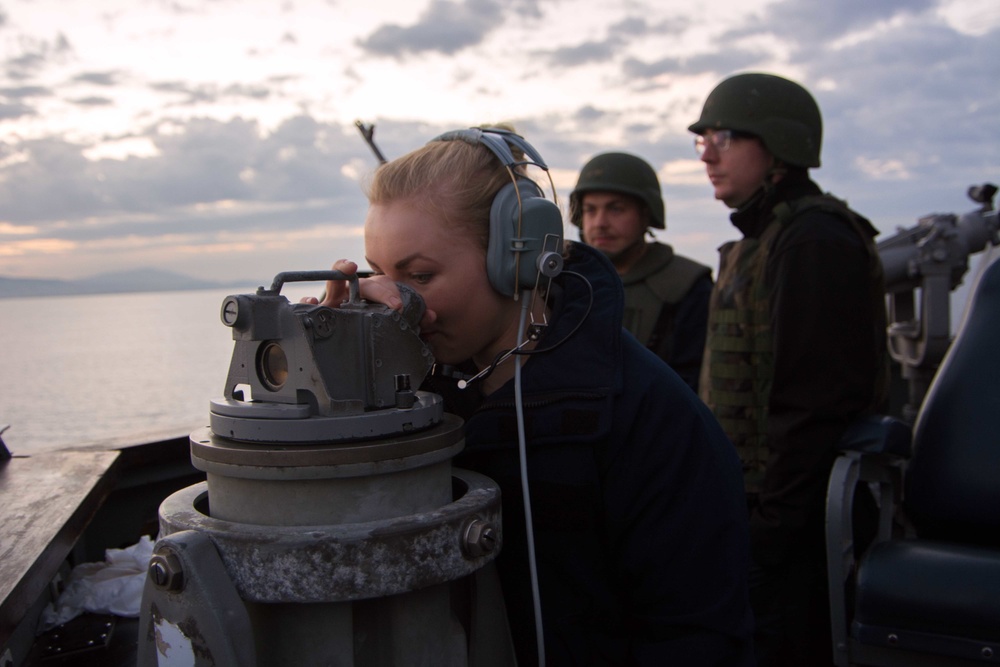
(217, 138)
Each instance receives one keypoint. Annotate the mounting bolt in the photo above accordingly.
(166, 571)
(480, 538)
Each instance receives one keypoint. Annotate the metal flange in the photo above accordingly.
(348, 561)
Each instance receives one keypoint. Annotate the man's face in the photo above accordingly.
(611, 222)
(736, 165)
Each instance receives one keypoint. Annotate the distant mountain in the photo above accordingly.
(138, 280)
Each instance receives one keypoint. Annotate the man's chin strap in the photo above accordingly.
(755, 198)
(777, 171)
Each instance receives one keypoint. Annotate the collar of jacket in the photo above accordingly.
(657, 256)
(568, 388)
(753, 217)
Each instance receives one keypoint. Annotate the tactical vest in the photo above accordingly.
(738, 370)
(653, 288)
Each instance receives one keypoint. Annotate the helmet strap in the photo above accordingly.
(628, 255)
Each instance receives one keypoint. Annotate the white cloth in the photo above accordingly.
(112, 587)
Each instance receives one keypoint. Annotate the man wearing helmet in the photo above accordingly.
(616, 201)
(795, 348)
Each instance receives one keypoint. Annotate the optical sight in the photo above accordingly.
(306, 373)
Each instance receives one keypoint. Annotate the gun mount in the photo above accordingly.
(923, 264)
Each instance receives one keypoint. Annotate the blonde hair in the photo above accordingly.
(455, 180)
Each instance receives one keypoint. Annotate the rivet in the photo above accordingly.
(893, 639)
(987, 652)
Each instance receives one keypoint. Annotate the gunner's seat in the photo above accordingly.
(929, 594)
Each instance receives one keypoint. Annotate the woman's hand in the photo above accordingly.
(379, 289)
(337, 291)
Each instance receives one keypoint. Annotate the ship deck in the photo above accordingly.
(68, 507)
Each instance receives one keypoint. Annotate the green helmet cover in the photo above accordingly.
(780, 112)
(624, 173)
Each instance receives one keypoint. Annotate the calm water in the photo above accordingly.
(127, 367)
(88, 369)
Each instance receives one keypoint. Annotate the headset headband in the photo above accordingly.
(499, 142)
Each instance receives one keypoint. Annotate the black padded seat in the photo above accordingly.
(938, 592)
(953, 480)
(931, 597)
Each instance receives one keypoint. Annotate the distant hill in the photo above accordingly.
(138, 280)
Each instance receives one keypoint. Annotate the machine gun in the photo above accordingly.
(927, 262)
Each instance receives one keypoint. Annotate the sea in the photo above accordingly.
(112, 369)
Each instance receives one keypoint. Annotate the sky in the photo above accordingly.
(216, 138)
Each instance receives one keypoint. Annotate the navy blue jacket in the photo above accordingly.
(637, 496)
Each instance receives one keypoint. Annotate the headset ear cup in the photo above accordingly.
(521, 218)
(512, 259)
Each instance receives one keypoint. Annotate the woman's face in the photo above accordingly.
(467, 318)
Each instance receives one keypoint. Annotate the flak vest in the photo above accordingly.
(653, 289)
(736, 376)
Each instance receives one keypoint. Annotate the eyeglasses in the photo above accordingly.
(721, 139)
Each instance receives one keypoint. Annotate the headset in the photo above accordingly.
(526, 229)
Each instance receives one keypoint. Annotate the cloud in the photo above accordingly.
(23, 92)
(894, 120)
(15, 111)
(683, 172)
(586, 52)
(223, 192)
(718, 63)
(198, 165)
(98, 78)
(633, 26)
(94, 101)
(588, 114)
(205, 174)
(882, 170)
(813, 24)
(44, 246)
(212, 93)
(7, 229)
(35, 56)
(444, 27)
(641, 69)
(620, 36)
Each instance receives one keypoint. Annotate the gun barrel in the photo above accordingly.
(935, 240)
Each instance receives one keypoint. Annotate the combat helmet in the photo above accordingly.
(619, 172)
(780, 112)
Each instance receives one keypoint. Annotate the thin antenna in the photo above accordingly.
(368, 132)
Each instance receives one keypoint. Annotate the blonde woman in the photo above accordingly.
(637, 530)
